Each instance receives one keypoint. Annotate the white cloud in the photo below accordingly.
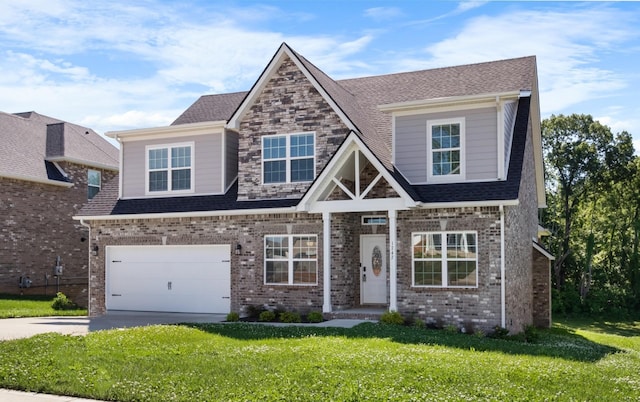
(566, 43)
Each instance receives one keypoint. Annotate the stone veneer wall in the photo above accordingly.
(37, 226)
(474, 307)
(541, 290)
(288, 104)
(521, 223)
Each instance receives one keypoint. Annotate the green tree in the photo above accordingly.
(582, 156)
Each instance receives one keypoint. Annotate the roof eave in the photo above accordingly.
(36, 180)
(469, 204)
(448, 101)
(198, 214)
(85, 162)
(179, 129)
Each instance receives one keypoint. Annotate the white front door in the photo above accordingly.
(373, 269)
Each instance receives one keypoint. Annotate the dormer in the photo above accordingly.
(453, 140)
(186, 159)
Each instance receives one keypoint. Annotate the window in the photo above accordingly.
(94, 182)
(374, 220)
(290, 260)
(445, 259)
(288, 158)
(169, 168)
(445, 142)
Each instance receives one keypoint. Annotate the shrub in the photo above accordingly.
(531, 334)
(267, 316)
(62, 302)
(499, 332)
(233, 317)
(451, 328)
(478, 333)
(289, 317)
(418, 323)
(392, 317)
(254, 311)
(315, 316)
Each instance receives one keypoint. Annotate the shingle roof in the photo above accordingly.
(211, 108)
(359, 98)
(107, 205)
(29, 139)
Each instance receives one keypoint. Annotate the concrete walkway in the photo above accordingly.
(7, 395)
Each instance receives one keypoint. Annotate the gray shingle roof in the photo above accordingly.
(359, 98)
(211, 108)
(29, 139)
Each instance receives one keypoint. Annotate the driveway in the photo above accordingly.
(14, 328)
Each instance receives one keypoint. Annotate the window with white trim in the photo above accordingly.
(94, 183)
(291, 260)
(445, 259)
(374, 220)
(170, 168)
(288, 158)
(445, 143)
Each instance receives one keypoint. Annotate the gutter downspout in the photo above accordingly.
(88, 267)
(503, 310)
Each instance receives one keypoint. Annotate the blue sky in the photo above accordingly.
(119, 64)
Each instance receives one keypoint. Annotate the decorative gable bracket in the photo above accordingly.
(355, 180)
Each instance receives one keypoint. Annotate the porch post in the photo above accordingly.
(326, 261)
(393, 263)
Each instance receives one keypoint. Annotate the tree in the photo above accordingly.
(582, 156)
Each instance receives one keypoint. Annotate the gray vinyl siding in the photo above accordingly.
(207, 164)
(480, 143)
(232, 158)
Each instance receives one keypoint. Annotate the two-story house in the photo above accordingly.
(416, 192)
(49, 168)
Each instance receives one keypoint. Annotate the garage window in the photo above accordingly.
(291, 260)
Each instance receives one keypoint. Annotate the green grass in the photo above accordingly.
(14, 306)
(369, 362)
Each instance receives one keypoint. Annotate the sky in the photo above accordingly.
(122, 64)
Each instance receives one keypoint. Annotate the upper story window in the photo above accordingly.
(288, 158)
(94, 183)
(445, 143)
(445, 259)
(170, 168)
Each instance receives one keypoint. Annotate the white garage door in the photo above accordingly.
(186, 279)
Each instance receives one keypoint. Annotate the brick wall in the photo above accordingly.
(36, 227)
(521, 228)
(541, 290)
(288, 104)
(247, 270)
(476, 307)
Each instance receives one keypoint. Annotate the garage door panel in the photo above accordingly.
(169, 278)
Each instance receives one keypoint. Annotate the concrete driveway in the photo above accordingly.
(14, 328)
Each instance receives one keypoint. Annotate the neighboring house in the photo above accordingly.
(415, 192)
(48, 170)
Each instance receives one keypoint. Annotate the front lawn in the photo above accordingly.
(14, 306)
(369, 362)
